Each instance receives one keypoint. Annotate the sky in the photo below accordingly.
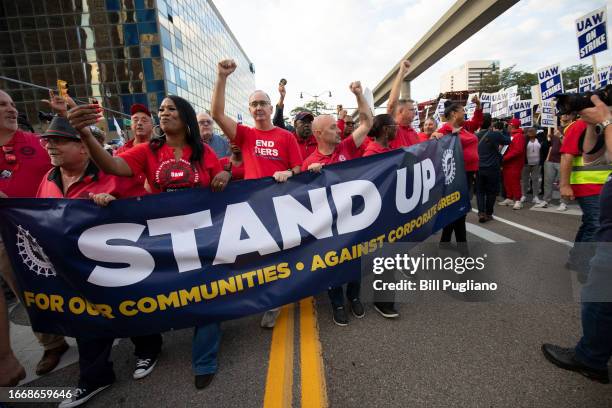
(323, 45)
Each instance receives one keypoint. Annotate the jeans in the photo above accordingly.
(205, 346)
(580, 254)
(487, 187)
(336, 294)
(595, 347)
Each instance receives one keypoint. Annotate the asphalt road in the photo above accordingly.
(441, 351)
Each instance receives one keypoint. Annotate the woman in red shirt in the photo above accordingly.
(455, 115)
(383, 131)
(175, 161)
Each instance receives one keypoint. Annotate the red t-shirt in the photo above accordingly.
(21, 178)
(375, 148)
(424, 136)
(165, 173)
(346, 150)
(127, 146)
(570, 145)
(264, 152)
(236, 170)
(93, 181)
(469, 144)
(404, 136)
(307, 146)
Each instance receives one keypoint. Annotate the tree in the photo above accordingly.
(316, 107)
(508, 77)
(572, 74)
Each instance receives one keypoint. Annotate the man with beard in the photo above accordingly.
(302, 124)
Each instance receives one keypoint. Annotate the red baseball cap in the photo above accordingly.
(515, 122)
(139, 107)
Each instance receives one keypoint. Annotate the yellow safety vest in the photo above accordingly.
(582, 174)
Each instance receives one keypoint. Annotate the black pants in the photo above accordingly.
(487, 187)
(458, 226)
(95, 367)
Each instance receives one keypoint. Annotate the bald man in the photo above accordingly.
(332, 149)
(267, 150)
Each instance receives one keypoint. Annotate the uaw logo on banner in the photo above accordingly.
(592, 33)
(176, 260)
(550, 81)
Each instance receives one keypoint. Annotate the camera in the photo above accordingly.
(575, 102)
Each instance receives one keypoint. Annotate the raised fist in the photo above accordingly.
(226, 67)
(405, 66)
(355, 88)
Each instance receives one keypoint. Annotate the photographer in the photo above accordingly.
(591, 355)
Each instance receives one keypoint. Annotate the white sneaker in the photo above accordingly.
(523, 199)
(562, 207)
(535, 200)
(541, 204)
(506, 202)
(517, 205)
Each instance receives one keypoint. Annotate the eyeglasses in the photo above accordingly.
(391, 126)
(205, 122)
(255, 104)
(55, 141)
(9, 154)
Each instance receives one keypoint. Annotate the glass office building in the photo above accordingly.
(121, 52)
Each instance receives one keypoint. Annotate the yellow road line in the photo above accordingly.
(314, 394)
(279, 382)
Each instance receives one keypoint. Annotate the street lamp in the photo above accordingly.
(316, 98)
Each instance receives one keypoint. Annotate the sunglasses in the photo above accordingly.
(9, 154)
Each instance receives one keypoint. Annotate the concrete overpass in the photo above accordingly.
(460, 22)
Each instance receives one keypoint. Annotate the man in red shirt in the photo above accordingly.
(583, 183)
(402, 111)
(142, 127)
(330, 146)
(75, 176)
(267, 150)
(303, 133)
(332, 149)
(23, 163)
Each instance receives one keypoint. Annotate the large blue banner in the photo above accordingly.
(176, 260)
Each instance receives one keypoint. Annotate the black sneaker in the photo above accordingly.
(144, 366)
(340, 317)
(357, 308)
(81, 396)
(202, 381)
(386, 309)
(565, 358)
